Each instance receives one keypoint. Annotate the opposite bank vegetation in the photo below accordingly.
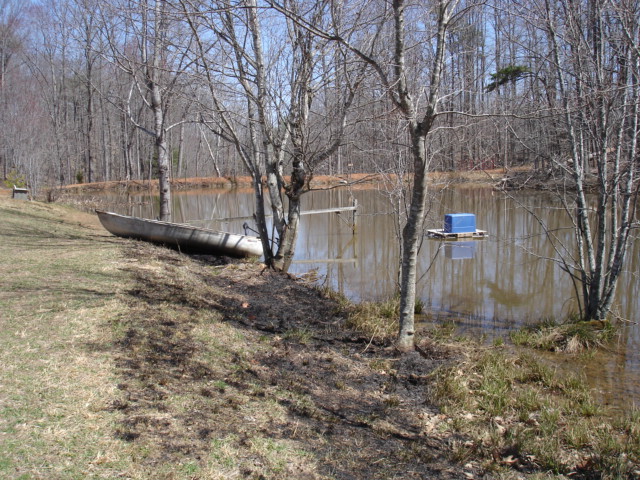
(126, 360)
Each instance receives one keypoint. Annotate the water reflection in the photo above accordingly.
(505, 276)
(459, 250)
(490, 286)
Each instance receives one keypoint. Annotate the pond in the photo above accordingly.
(487, 287)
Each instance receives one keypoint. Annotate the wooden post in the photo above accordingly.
(354, 216)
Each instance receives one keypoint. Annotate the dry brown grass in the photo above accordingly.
(357, 180)
(54, 344)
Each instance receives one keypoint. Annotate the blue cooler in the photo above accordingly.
(459, 223)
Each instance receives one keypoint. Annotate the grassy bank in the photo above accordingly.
(59, 283)
(125, 360)
(512, 411)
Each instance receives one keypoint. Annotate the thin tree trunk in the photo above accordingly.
(163, 157)
(411, 239)
(413, 231)
(161, 151)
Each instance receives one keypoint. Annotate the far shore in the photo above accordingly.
(479, 177)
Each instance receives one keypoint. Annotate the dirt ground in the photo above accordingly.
(293, 375)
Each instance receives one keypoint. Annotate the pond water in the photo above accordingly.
(487, 287)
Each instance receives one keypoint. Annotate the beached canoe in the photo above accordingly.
(183, 237)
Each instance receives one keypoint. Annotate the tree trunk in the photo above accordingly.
(162, 154)
(413, 230)
(411, 239)
(294, 192)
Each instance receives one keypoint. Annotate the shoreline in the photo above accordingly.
(485, 177)
(127, 359)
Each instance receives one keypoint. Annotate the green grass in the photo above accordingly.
(376, 320)
(516, 410)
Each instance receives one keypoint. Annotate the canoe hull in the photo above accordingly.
(185, 238)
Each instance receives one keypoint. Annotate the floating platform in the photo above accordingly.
(441, 234)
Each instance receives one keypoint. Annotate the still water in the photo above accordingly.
(489, 287)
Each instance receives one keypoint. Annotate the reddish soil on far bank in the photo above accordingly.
(487, 177)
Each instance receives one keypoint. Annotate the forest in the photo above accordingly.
(287, 90)
(76, 84)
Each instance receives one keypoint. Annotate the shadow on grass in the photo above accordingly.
(178, 393)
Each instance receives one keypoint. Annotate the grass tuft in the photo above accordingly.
(518, 411)
(570, 337)
(376, 320)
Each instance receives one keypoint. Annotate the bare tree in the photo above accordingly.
(278, 87)
(84, 22)
(596, 65)
(155, 66)
(419, 126)
(222, 32)
(307, 118)
(50, 58)
(419, 108)
(10, 43)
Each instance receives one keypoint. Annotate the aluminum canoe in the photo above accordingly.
(186, 238)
